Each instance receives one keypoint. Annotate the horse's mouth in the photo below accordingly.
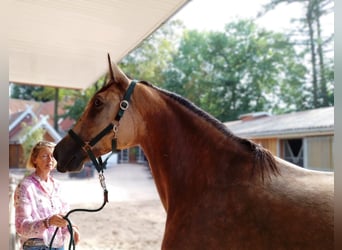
(62, 169)
(72, 164)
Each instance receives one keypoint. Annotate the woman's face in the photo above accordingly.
(45, 161)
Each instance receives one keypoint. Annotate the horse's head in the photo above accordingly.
(100, 112)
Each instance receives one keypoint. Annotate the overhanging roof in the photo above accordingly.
(65, 43)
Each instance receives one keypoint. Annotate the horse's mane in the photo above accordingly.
(263, 159)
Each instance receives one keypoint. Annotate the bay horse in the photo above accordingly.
(219, 191)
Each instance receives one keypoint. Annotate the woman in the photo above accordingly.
(39, 207)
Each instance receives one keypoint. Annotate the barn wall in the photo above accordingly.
(319, 153)
(15, 156)
(268, 143)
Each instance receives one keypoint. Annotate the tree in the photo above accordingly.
(81, 99)
(243, 69)
(316, 45)
(32, 137)
(31, 92)
(24, 92)
(154, 54)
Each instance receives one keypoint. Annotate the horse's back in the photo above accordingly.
(304, 180)
(306, 201)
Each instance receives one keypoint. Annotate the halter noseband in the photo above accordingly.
(113, 126)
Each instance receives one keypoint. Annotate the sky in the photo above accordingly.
(214, 14)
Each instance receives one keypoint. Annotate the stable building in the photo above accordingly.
(304, 138)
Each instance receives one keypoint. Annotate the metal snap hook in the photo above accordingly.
(115, 128)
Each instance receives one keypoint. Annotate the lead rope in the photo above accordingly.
(99, 165)
(71, 231)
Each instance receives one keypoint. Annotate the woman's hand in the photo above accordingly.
(57, 220)
(76, 234)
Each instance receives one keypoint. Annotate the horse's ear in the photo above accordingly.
(111, 75)
(116, 74)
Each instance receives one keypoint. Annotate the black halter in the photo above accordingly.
(113, 126)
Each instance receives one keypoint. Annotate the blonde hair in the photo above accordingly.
(35, 151)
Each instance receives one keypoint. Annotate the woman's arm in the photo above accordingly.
(26, 225)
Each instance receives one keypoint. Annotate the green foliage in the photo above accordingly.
(243, 69)
(80, 99)
(28, 92)
(37, 93)
(24, 92)
(307, 34)
(75, 110)
(32, 137)
(44, 94)
(150, 59)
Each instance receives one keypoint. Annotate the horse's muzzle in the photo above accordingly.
(69, 156)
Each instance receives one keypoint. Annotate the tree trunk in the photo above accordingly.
(55, 119)
(309, 19)
(322, 80)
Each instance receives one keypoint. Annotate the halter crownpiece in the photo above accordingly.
(124, 104)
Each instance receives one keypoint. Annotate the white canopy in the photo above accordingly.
(65, 43)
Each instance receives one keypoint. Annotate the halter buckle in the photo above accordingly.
(86, 147)
(124, 104)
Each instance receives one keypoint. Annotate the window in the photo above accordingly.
(292, 151)
(123, 156)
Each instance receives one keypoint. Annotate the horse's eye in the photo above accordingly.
(97, 102)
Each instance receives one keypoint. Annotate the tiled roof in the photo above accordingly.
(18, 105)
(315, 121)
(14, 116)
(42, 111)
(42, 108)
(39, 108)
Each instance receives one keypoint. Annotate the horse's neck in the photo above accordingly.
(178, 134)
(182, 146)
